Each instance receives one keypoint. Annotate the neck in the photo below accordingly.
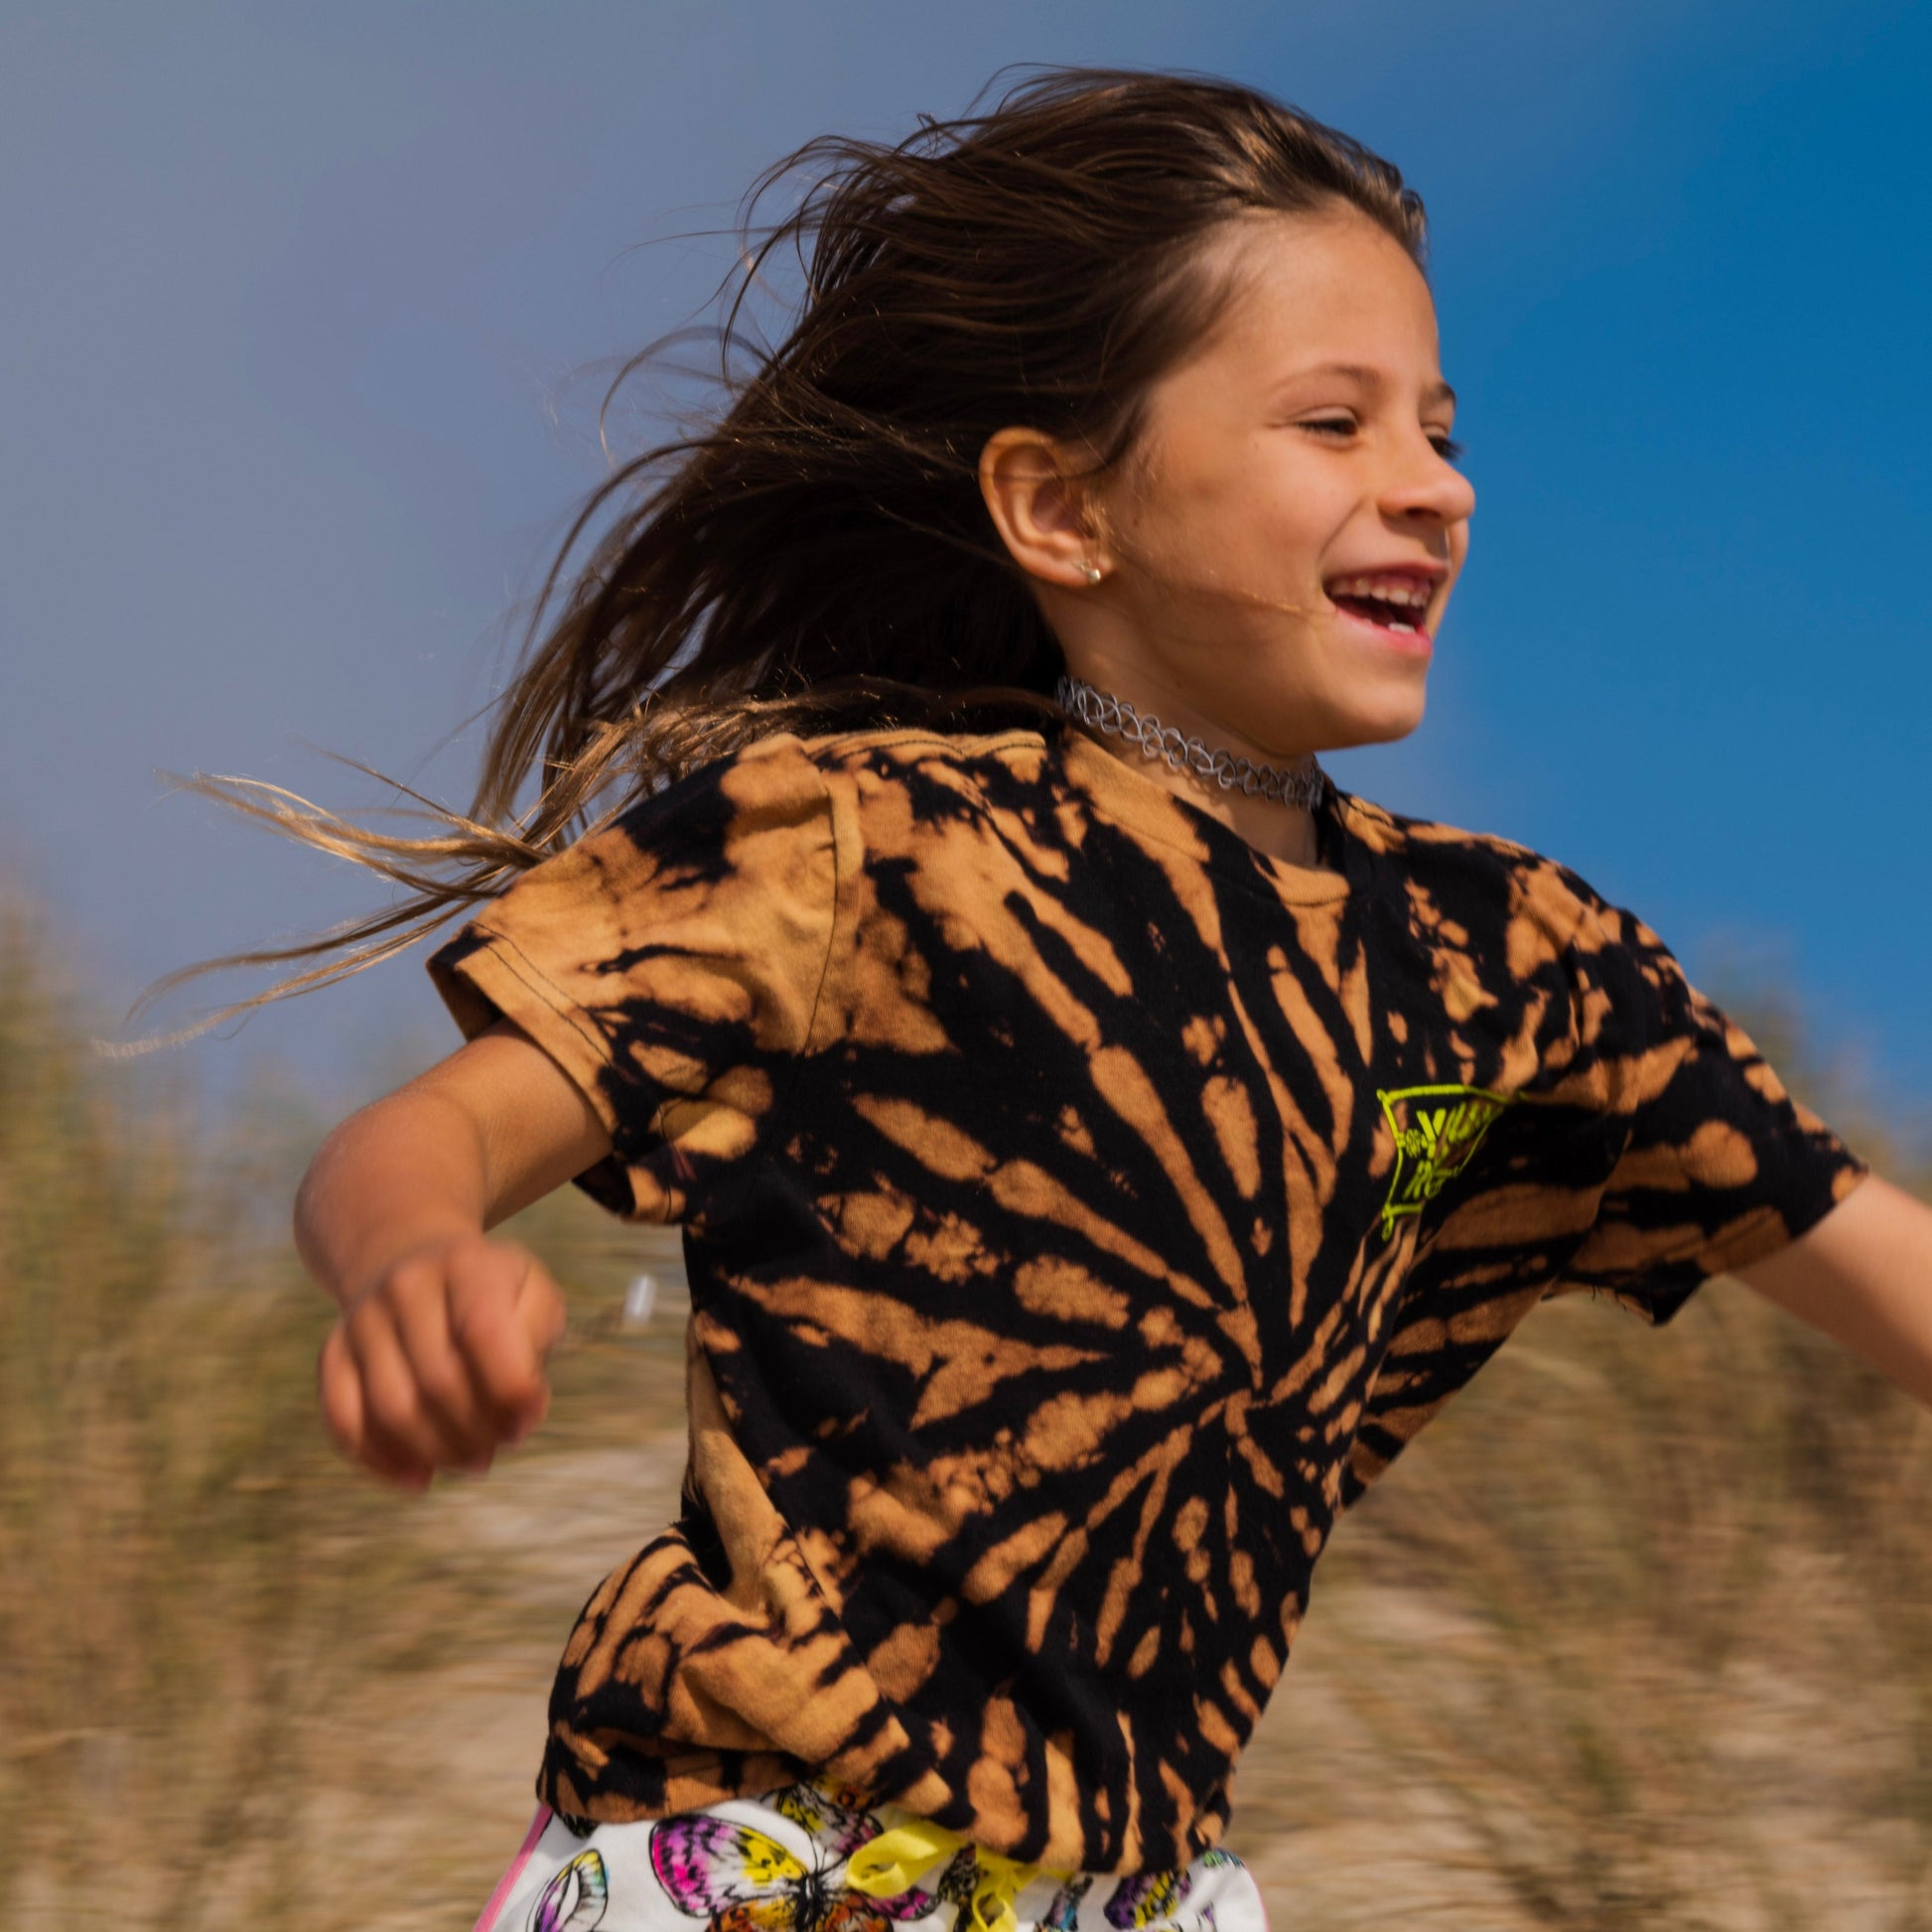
(1282, 827)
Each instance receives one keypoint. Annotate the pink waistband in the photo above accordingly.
(507, 1882)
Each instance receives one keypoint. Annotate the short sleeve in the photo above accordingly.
(1654, 1148)
(670, 964)
(1712, 1163)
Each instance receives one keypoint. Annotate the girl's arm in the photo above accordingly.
(438, 1359)
(1864, 1276)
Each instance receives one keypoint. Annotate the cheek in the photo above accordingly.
(1285, 516)
(1247, 504)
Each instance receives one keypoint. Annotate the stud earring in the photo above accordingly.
(1090, 571)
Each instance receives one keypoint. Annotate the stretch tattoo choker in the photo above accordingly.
(1301, 784)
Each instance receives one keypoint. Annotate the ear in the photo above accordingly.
(1041, 507)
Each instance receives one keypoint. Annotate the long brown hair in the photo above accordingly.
(819, 550)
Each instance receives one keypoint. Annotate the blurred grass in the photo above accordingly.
(1637, 1635)
(192, 1590)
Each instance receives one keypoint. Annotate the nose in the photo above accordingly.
(1425, 482)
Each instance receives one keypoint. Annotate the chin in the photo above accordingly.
(1384, 726)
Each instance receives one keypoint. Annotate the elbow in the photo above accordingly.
(307, 1214)
(323, 1212)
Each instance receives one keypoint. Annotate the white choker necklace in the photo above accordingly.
(1303, 784)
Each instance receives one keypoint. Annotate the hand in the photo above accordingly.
(438, 1362)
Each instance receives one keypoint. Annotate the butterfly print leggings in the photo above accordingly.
(809, 1860)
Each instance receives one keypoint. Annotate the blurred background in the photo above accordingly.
(305, 317)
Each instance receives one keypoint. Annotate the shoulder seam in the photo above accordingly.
(802, 1054)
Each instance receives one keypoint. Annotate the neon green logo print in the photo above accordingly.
(1436, 1130)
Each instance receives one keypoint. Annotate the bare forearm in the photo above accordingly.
(438, 1359)
(464, 1145)
(408, 1171)
(1864, 1276)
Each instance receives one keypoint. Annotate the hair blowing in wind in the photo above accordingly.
(818, 553)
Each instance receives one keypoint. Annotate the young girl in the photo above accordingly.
(1102, 1144)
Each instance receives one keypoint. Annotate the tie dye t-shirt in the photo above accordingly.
(1081, 1209)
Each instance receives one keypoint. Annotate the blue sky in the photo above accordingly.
(298, 347)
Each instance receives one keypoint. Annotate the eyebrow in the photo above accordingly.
(1373, 379)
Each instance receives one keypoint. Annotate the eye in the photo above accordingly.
(1447, 446)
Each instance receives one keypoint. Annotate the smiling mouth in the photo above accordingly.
(1384, 612)
(1392, 602)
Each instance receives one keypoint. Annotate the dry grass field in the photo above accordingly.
(1638, 1635)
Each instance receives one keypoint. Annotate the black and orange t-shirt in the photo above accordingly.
(1081, 1208)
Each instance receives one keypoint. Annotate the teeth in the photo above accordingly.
(1390, 590)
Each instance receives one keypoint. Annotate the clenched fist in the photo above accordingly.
(438, 1362)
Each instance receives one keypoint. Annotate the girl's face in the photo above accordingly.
(1292, 482)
